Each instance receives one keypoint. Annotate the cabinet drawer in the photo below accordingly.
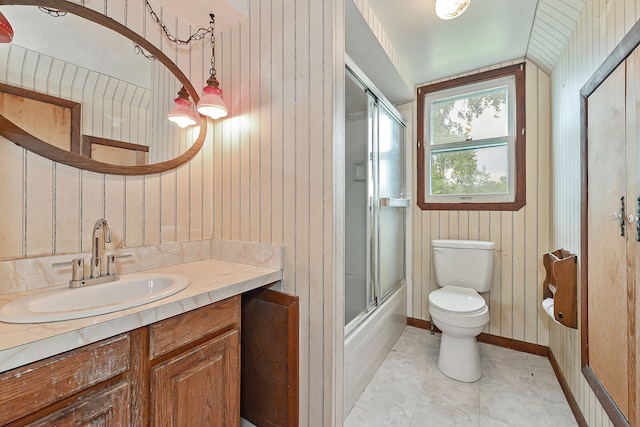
(108, 408)
(173, 333)
(32, 387)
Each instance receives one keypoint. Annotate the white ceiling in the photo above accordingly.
(488, 33)
(196, 12)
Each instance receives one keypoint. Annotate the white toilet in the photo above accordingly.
(462, 269)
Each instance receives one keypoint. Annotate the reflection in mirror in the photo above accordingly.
(122, 97)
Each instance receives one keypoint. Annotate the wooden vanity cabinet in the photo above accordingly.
(182, 371)
(195, 367)
(86, 386)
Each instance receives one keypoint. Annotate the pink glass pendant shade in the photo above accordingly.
(6, 32)
(211, 104)
(181, 113)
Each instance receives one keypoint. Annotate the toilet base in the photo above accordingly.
(459, 358)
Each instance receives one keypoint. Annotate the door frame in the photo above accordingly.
(620, 53)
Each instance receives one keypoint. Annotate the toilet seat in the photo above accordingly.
(457, 300)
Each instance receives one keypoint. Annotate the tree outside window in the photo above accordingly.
(470, 156)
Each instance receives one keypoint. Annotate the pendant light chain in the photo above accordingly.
(197, 35)
(212, 24)
(56, 13)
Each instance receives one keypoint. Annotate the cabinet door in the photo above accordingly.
(108, 408)
(607, 269)
(199, 387)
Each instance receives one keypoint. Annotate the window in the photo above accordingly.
(471, 142)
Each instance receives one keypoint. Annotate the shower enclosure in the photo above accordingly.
(375, 220)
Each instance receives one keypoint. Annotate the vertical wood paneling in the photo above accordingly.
(276, 183)
(244, 98)
(255, 52)
(114, 206)
(91, 205)
(520, 237)
(39, 206)
(134, 211)
(231, 67)
(601, 27)
(12, 201)
(183, 202)
(168, 207)
(302, 177)
(67, 209)
(266, 141)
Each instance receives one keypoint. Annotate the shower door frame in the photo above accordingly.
(376, 101)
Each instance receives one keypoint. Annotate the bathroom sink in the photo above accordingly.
(66, 303)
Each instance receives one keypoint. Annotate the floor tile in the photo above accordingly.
(516, 389)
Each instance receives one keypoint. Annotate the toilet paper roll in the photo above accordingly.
(547, 305)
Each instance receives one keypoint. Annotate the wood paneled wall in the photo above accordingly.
(266, 174)
(600, 28)
(49, 208)
(521, 237)
(277, 172)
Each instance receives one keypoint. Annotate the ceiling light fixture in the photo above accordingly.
(211, 103)
(449, 9)
(181, 113)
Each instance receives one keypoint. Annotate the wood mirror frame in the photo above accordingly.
(23, 139)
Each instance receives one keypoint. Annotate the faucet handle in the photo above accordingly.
(77, 268)
(111, 263)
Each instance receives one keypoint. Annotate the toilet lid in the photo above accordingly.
(456, 299)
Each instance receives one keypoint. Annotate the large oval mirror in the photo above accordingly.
(77, 90)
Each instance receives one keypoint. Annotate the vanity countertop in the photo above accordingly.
(211, 281)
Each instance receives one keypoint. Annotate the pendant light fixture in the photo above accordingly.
(449, 9)
(211, 103)
(6, 32)
(181, 113)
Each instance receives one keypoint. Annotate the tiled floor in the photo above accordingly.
(516, 389)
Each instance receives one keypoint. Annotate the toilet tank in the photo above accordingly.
(466, 263)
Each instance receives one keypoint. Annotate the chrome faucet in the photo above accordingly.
(101, 236)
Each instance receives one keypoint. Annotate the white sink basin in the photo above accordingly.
(66, 303)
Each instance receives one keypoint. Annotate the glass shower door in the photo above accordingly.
(391, 202)
(358, 133)
(374, 201)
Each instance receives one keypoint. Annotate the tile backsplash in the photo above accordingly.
(36, 273)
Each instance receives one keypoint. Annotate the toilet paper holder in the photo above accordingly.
(560, 283)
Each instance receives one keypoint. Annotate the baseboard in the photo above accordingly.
(573, 403)
(525, 347)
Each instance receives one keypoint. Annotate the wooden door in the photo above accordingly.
(199, 387)
(633, 232)
(607, 268)
(270, 352)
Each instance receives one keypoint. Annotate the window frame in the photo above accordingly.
(519, 149)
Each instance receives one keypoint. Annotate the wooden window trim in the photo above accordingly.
(519, 201)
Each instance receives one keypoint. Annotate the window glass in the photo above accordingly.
(473, 116)
(469, 153)
(471, 171)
